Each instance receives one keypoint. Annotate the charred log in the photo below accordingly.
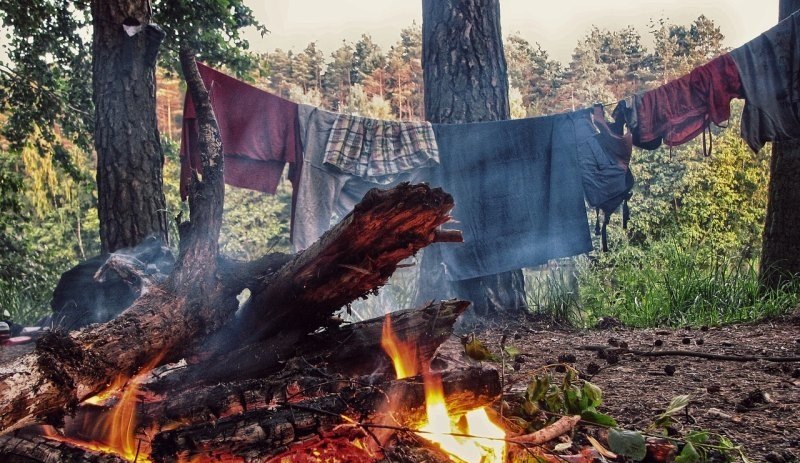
(28, 448)
(267, 432)
(353, 349)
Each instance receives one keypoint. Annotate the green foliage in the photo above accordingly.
(627, 443)
(45, 88)
(570, 396)
(211, 27)
(677, 283)
(44, 228)
(554, 292)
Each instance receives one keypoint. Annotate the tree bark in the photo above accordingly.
(131, 202)
(780, 252)
(466, 80)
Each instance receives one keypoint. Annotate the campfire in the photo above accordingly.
(279, 379)
(470, 437)
(123, 422)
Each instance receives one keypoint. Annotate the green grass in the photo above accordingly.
(674, 284)
(554, 292)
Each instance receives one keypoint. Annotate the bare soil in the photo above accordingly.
(756, 403)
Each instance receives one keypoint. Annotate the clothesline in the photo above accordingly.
(519, 185)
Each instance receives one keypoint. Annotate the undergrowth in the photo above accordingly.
(669, 283)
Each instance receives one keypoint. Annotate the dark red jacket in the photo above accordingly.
(679, 110)
(259, 134)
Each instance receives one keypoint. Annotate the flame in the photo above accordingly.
(116, 431)
(120, 426)
(470, 438)
(403, 354)
(457, 436)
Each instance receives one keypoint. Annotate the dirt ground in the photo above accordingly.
(637, 388)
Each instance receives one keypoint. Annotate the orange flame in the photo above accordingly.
(403, 354)
(120, 426)
(473, 438)
(470, 438)
(116, 431)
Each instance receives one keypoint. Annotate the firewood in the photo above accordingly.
(374, 238)
(353, 349)
(385, 228)
(266, 432)
(64, 369)
(30, 448)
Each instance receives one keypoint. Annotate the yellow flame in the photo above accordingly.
(116, 431)
(120, 426)
(403, 355)
(441, 427)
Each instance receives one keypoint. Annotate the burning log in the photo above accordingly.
(29, 448)
(349, 349)
(385, 228)
(267, 432)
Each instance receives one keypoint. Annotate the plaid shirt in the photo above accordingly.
(377, 150)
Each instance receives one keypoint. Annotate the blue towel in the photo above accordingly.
(517, 190)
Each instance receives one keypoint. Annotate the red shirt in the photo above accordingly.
(679, 110)
(259, 134)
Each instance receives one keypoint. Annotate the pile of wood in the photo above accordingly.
(279, 377)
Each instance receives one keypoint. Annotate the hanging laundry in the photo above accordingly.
(327, 192)
(769, 66)
(259, 134)
(376, 150)
(624, 115)
(682, 109)
(605, 159)
(518, 195)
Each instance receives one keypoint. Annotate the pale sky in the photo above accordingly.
(556, 24)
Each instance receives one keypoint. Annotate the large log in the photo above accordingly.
(29, 448)
(266, 432)
(349, 261)
(347, 352)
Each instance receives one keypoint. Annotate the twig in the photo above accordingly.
(687, 353)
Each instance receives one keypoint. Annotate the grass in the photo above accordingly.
(26, 305)
(675, 284)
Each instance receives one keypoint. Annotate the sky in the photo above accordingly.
(555, 24)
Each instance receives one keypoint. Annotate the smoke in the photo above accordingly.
(100, 288)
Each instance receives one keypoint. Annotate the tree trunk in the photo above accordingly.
(780, 253)
(131, 202)
(466, 80)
